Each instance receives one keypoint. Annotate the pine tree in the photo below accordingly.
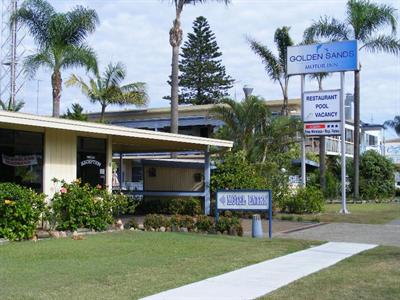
(203, 78)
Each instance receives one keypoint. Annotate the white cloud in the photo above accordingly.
(136, 32)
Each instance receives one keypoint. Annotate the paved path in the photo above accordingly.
(262, 278)
(388, 235)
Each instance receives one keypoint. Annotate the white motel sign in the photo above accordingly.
(321, 106)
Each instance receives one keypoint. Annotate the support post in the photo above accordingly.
(121, 167)
(207, 177)
(303, 141)
(109, 164)
(343, 210)
(270, 216)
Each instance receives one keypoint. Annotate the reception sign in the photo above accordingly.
(322, 58)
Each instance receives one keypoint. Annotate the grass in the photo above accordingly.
(373, 274)
(367, 213)
(126, 265)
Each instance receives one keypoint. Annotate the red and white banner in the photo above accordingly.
(19, 160)
(325, 128)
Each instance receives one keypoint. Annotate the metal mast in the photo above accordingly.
(12, 77)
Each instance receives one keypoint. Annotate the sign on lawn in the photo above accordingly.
(321, 106)
(243, 200)
(322, 58)
(326, 128)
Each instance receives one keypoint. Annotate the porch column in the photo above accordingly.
(121, 168)
(109, 172)
(207, 176)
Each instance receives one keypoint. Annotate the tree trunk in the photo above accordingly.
(356, 135)
(175, 39)
(56, 82)
(103, 109)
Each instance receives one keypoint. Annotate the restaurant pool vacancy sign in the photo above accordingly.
(325, 128)
(254, 200)
(321, 106)
(318, 58)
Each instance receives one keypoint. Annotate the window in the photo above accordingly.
(21, 158)
(349, 136)
(91, 166)
(372, 140)
(137, 173)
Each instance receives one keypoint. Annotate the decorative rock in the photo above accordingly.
(183, 229)
(54, 234)
(63, 234)
(83, 230)
(42, 234)
(141, 227)
(152, 229)
(119, 225)
(162, 229)
(174, 228)
(132, 229)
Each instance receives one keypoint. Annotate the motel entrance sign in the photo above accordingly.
(323, 111)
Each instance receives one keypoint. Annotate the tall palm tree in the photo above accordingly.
(395, 124)
(106, 89)
(242, 120)
(60, 38)
(275, 66)
(175, 40)
(364, 22)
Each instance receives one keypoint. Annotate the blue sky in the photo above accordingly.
(136, 33)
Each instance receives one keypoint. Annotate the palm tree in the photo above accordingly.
(175, 40)
(363, 23)
(395, 124)
(60, 40)
(242, 121)
(107, 89)
(275, 66)
(10, 106)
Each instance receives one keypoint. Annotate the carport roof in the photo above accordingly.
(123, 139)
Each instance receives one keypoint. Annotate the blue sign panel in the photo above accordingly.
(319, 58)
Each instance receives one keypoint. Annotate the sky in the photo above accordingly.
(136, 32)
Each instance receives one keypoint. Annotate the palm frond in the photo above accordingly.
(270, 61)
(35, 15)
(114, 74)
(33, 62)
(383, 43)
(79, 56)
(329, 28)
(367, 17)
(283, 40)
(81, 21)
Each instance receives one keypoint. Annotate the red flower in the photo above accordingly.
(99, 186)
(63, 190)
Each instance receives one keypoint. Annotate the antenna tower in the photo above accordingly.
(12, 77)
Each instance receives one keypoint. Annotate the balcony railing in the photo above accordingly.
(332, 146)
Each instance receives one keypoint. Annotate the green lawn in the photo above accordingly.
(374, 274)
(125, 265)
(368, 213)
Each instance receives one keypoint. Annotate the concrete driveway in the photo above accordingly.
(388, 234)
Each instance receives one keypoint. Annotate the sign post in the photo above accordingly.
(323, 111)
(254, 200)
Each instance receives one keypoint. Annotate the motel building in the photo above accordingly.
(36, 149)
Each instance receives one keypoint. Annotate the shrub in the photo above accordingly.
(20, 211)
(77, 206)
(304, 200)
(229, 225)
(377, 180)
(204, 223)
(184, 206)
(180, 221)
(155, 221)
(234, 171)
